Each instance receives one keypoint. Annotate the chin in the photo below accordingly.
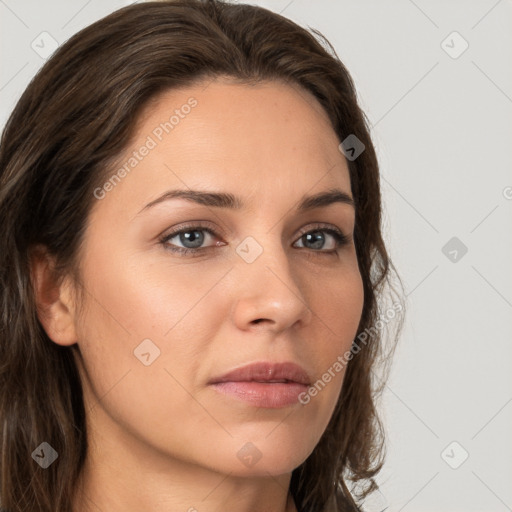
(271, 467)
(264, 456)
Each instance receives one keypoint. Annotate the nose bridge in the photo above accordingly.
(264, 250)
(270, 290)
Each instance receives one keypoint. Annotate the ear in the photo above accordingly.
(53, 300)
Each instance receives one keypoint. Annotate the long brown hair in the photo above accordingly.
(72, 121)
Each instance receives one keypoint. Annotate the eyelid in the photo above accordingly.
(213, 228)
(191, 225)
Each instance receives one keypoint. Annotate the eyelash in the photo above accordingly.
(340, 238)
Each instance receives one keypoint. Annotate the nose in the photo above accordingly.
(270, 294)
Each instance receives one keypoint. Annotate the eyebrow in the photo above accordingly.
(228, 200)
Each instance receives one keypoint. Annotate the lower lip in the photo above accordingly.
(271, 395)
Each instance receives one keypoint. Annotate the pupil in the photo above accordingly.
(317, 238)
(195, 237)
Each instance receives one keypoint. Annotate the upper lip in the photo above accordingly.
(266, 372)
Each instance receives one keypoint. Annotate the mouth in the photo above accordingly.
(268, 385)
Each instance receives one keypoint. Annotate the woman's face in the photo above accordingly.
(262, 283)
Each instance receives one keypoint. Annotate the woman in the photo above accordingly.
(192, 259)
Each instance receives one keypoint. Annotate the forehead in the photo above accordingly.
(269, 137)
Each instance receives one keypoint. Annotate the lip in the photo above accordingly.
(264, 384)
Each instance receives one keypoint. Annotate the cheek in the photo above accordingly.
(338, 306)
(143, 338)
(142, 379)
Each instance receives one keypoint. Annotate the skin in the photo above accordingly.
(160, 438)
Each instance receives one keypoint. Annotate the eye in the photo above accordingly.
(193, 237)
(317, 239)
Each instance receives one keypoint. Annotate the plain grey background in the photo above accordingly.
(435, 80)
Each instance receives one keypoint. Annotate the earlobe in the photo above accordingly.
(53, 299)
